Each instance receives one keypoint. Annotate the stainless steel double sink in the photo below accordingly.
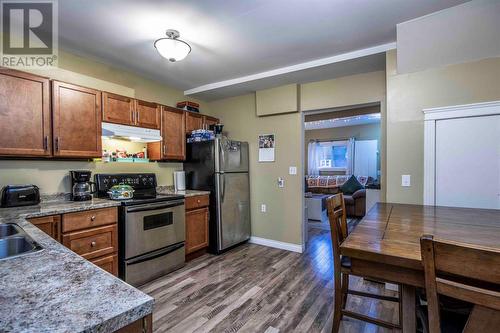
(14, 241)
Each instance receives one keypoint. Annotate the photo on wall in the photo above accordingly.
(267, 146)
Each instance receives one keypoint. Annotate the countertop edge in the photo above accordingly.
(110, 324)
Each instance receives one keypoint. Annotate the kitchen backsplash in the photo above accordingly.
(53, 176)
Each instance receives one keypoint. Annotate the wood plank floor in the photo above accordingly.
(259, 289)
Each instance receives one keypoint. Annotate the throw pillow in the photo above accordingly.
(351, 186)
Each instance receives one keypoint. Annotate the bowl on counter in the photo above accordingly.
(121, 192)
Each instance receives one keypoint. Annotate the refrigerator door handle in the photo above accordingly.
(223, 186)
(222, 157)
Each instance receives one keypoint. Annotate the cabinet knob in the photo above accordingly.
(199, 201)
(92, 218)
(92, 244)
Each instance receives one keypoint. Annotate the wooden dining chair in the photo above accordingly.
(342, 270)
(465, 272)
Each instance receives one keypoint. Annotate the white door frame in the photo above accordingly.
(448, 112)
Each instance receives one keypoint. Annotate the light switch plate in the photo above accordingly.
(263, 208)
(292, 170)
(406, 180)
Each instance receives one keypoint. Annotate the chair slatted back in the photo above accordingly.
(478, 267)
(338, 225)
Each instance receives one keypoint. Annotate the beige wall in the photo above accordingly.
(52, 176)
(408, 94)
(283, 219)
(359, 132)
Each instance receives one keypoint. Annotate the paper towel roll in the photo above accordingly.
(180, 181)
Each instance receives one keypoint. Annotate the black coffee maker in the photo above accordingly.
(81, 186)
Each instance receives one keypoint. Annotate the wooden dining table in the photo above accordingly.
(386, 243)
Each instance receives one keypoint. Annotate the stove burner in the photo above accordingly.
(144, 185)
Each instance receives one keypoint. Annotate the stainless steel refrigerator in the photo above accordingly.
(221, 167)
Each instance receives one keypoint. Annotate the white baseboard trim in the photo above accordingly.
(277, 244)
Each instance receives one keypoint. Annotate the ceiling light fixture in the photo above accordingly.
(172, 48)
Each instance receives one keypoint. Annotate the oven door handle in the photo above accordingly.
(155, 254)
(148, 207)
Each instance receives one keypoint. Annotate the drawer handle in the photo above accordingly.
(199, 201)
(92, 244)
(92, 218)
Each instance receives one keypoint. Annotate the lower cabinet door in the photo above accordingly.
(196, 229)
(108, 263)
(51, 225)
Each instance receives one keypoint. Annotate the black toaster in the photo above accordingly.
(19, 195)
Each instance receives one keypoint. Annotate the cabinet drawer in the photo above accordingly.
(108, 263)
(197, 202)
(94, 242)
(89, 219)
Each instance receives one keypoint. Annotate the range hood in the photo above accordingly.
(130, 133)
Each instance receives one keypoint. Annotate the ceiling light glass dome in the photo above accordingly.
(171, 47)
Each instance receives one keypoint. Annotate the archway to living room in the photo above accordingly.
(342, 153)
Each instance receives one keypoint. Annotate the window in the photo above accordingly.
(332, 156)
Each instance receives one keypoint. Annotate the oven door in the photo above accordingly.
(153, 226)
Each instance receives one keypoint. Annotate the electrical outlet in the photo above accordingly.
(281, 182)
(406, 180)
(292, 170)
(263, 208)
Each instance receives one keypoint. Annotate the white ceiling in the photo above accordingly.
(231, 39)
(373, 118)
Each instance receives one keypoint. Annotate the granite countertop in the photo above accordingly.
(186, 193)
(56, 290)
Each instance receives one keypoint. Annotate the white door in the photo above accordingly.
(468, 162)
(365, 158)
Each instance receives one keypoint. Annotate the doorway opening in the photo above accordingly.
(342, 153)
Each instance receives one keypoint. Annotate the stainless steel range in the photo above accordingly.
(151, 228)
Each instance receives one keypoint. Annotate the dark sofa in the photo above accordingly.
(355, 203)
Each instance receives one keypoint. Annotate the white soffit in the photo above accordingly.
(283, 71)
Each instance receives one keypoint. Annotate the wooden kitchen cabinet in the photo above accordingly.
(25, 119)
(124, 110)
(76, 117)
(173, 132)
(209, 121)
(108, 263)
(93, 234)
(147, 114)
(117, 109)
(194, 121)
(197, 218)
(51, 225)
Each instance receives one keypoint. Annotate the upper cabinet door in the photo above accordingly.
(194, 121)
(25, 128)
(173, 133)
(76, 113)
(209, 121)
(117, 109)
(147, 114)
